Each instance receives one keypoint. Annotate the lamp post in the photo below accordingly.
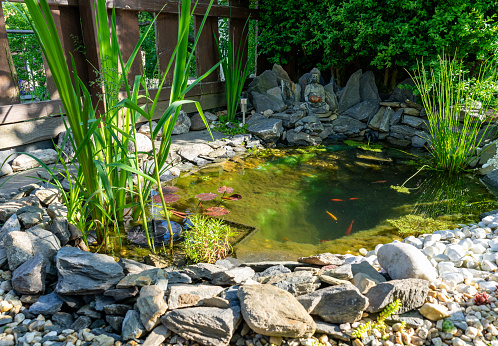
(243, 108)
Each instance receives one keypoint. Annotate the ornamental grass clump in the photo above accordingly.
(105, 145)
(456, 110)
(207, 240)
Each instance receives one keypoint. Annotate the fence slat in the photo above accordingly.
(206, 53)
(9, 91)
(128, 34)
(166, 39)
(239, 29)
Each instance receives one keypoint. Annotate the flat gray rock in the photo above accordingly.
(182, 296)
(11, 225)
(133, 267)
(363, 110)
(272, 311)
(296, 283)
(151, 306)
(265, 81)
(268, 129)
(9, 208)
(348, 126)
(132, 326)
(207, 326)
(404, 261)
(366, 268)
(46, 243)
(46, 305)
(350, 95)
(19, 248)
(83, 272)
(331, 329)
(202, 271)
(233, 276)
(29, 277)
(60, 228)
(411, 292)
(336, 304)
(273, 270)
(264, 101)
(324, 259)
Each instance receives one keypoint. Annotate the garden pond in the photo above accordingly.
(332, 198)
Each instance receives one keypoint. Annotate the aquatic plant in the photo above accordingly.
(481, 298)
(105, 143)
(364, 146)
(447, 97)
(207, 240)
(415, 225)
(235, 70)
(389, 310)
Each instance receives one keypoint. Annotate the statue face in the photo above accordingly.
(315, 78)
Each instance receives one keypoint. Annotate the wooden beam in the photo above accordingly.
(15, 113)
(9, 90)
(13, 135)
(206, 52)
(128, 34)
(166, 40)
(239, 30)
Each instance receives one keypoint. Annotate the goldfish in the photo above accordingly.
(337, 200)
(354, 198)
(286, 239)
(380, 181)
(348, 231)
(324, 241)
(332, 215)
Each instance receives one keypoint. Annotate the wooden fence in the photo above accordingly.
(75, 20)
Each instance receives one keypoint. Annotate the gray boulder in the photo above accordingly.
(324, 259)
(132, 326)
(366, 268)
(386, 120)
(60, 228)
(301, 138)
(491, 180)
(10, 208)
(46, 243)
(197, 124)
(272, 311)
(182, 124)
(348, 126)
(233, 276)
(11, 225)
(403, 91)
(182, 296)
(19, 248)
(205, 325)
(144, 143)
(404, 261)
(350, 95)
(368, 88)
(24, 162)
(81, 323)
(202, 271)
(264, 101)
(363, 110)
(133, 267)
(273, 270)
(297, 283)
(411, 292)
(280, 73)
(376, 119)
(82, 272)
(412, 121)
(30, 216)
(396, 117)
(151, 305)
(266, 80)
(403, 132)
(268, 129)
(5, 169)
(46, 305)
(29, 277)
(336, 304)
(330, 97)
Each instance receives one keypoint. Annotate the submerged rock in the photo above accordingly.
(274, 312)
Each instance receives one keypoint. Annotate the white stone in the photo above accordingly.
(488, 285)
(455, 252)
(493, 244)
(431, 251)
(488, 219)
(444, 267)
(479, 233)
(414, 241)
(144, 144)
(433, 237)
(466, 243)
(456, 278)
(23, 162)
(478, 249)
(445, 234)
(488, 266)
(460, 235)
(462, 288)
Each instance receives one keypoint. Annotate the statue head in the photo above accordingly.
(315, 75)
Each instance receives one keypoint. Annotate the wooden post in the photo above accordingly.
(166, 40)
(206, 52)
(128, 34)
(9, 90)
(237, 31)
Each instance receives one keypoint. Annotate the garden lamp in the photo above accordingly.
(243, 108)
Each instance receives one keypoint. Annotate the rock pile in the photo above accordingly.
(54, 293)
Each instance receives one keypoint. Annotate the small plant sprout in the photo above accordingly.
(380, 324)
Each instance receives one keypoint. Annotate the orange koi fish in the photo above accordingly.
(286, 239)
(332, 215)
(337, 200)
(380, 181)
(354, 198)
(348, 231)
(324, 241)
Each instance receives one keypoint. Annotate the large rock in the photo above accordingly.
(376, 120)
(8, 209)
(350, 95)
(336, 304)
(274, 312)
(348, 126)
(46, 305)
(151, 305)
(330, 97)
(30, 216)
(207, 326)
(190, 152)
(386, 120)
(19, 248)
(411, 292)
(404, 261)
(24, 161)
(48, 196)
(264, 101)
(60, 228)
(297, 283)
(133, 267)
(491, 180)
(46, 243)
(268, 129)
(182, 124)
(182, 296)
(280, 73)
(265, 81)
(5, 169)
(29, 278)
(403, 91)
(11, 225)
(132, 326)
(368, 88)
(363, 110)
(82, 272)
(197, 124)
(144, 144)
(202, 271)
(289, 120)
(324, 259)
(301, 138)
(233, 276)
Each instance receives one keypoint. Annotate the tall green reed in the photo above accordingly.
(105, 146)
(235, 71)
(446, 94)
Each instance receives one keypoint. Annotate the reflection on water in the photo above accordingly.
(307, 201)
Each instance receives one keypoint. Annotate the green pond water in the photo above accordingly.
(288, 195)
(334, 198)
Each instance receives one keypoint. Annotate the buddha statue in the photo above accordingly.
(314, 96)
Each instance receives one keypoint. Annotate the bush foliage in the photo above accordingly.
(382, 34)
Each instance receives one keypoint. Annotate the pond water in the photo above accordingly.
(334, 198)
